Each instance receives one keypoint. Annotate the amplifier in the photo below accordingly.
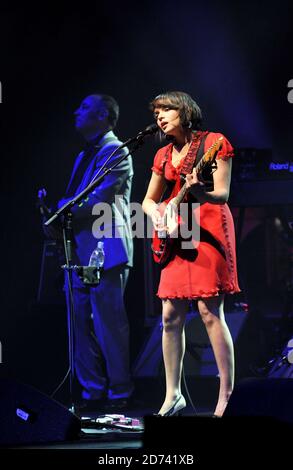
(252, 164)
(258, 180)
(260, 193)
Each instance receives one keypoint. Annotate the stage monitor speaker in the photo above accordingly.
(266, 397)
(27, 416)
(283, 365)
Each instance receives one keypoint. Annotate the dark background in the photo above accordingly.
(234, 59)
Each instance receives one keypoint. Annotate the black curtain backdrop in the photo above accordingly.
(234, 59)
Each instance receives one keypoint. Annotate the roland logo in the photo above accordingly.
(285, 166)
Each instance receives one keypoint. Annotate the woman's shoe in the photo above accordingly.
(176, 408)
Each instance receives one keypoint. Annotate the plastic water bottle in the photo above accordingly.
(97, 258)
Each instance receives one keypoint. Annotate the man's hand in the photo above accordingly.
(52, 231)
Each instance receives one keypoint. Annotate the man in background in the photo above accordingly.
(101, 330)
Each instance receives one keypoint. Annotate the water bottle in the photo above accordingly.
(97, 258)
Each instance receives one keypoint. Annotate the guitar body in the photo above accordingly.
(161, 248)
(163, 241)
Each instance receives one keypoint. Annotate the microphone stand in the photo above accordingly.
(68, 239)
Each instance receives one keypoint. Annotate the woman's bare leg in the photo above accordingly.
(174, 313)
(212, 314)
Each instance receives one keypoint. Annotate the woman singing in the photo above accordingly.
(206, 270)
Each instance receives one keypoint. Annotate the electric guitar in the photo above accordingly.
(163, 239)
(53, 231)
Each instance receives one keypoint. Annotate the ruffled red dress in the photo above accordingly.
(209, 267)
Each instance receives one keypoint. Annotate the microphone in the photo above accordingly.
(149, 130)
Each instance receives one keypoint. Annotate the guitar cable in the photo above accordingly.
(187, 391)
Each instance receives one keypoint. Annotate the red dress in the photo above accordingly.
(209, 268)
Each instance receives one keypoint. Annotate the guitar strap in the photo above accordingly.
(200, 152)
(195, 152)
(194, 155)
(90, 151)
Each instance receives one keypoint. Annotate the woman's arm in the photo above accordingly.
(222, 178)
(156, 188)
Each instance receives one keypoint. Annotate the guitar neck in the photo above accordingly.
(208, 157)
(180, 196)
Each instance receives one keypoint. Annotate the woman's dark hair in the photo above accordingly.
(189, 111)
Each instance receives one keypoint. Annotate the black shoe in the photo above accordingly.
(117, 404)
(85, 406)
(176, 408)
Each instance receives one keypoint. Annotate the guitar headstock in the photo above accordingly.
(211, 153)
(40, 202)
(42, 193)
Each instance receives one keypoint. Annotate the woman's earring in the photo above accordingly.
(189, 125)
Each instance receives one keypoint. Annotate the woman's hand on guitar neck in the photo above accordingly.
(193, 184)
